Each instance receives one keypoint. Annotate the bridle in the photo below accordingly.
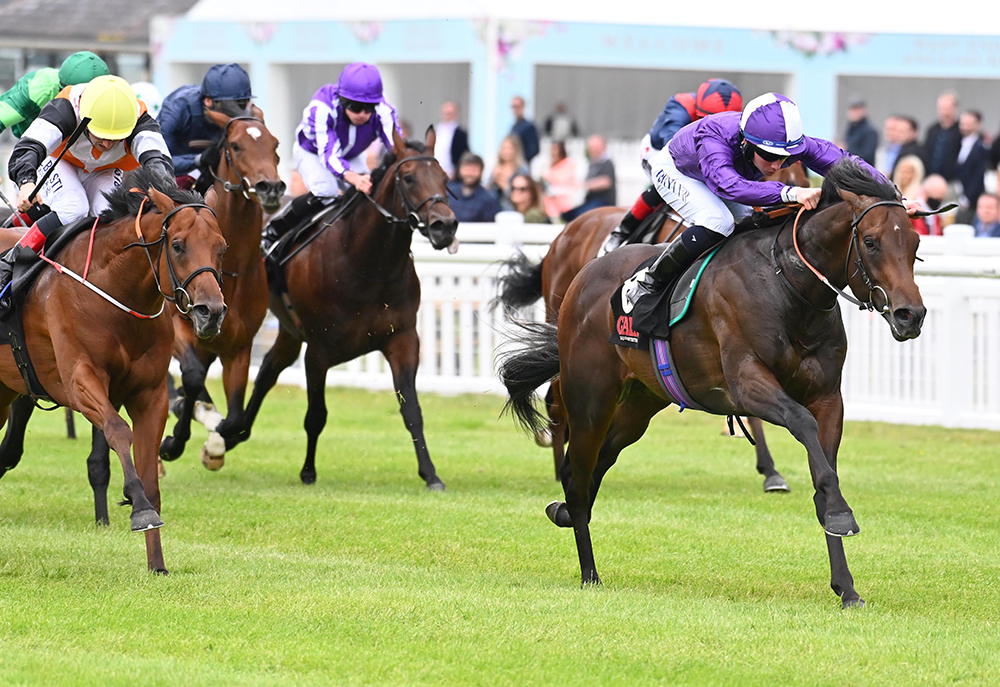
(244, 186)
(854, 246)
(180, 298)
(412, 218)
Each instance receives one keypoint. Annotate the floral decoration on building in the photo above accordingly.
(260, 32)
(366, 31)
(512, 35)
(821, 43)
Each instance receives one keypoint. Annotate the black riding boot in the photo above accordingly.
(290, 216)
(16, 254)
(648, 203)
(675, 258)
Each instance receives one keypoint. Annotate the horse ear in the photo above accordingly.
(430, 138)
(219, 119)
(162, 201)
(257, 112)
(852, 199)
(398, 143)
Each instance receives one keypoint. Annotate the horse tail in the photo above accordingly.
(534, 361)
(520, 285)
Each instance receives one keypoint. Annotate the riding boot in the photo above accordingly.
(290, 216)
(675, 258)
(25, 251)
(644, 206)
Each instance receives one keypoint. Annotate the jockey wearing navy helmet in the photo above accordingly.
(712, 97)
(226, 89)
(712, 172)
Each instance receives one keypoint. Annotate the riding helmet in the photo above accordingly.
(226, 82)
(110, 104)
(772, 123)
(81, 67)
(360, 82)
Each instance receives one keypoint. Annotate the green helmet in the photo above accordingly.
(81, 67)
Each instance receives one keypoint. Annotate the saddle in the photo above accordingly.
(24, 277)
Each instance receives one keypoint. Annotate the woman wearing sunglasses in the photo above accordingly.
(337, 127)
(712, 172)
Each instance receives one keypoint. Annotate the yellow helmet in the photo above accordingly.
(111, 105)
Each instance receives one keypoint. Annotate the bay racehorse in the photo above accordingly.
(354, 290)
(764, 337)
(524, 282)
(95, 353)
(246, 184)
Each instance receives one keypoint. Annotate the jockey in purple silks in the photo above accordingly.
(711, 174)
(329, 152)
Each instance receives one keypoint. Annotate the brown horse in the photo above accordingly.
(576, 245)
(774, 351)
(246, 185)
(354, 290)
(95, 355)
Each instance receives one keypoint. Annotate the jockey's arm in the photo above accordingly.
(716, 160)
(149, 147)
(54, 125)
(670, 121)
(174, 123)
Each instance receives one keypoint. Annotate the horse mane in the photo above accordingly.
(125, 201)
(848, 175)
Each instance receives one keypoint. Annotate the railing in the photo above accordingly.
(950, 375)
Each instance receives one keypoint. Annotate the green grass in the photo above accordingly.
(366, 578)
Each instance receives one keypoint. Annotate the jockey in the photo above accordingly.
(337, 127)
(226, 89)
(712, 97)
(120, 136)
(21, 104)
(712, 171)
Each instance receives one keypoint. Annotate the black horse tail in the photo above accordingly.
(520, 284)
(534, 361)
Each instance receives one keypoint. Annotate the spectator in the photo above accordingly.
(452, 140)
(527, 200)
(861, 137)
(600, 181)
(973, 158)
(560, 125)
(470, 201)
(943, 139)
(909, 177)
(987, 221)
(524, 130)
(561, 181)
(935, 191)
(405, 129)
(510, 161)
(901, 140)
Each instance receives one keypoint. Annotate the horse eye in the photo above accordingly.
(236, 147)
(408, 178)
(178, 248)
(869, 243)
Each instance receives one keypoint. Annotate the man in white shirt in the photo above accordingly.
(452, 140)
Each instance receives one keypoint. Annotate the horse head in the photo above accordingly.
(190, 260)
(419, 188)
(249, 163)
(880, 262)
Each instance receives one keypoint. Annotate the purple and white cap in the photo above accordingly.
(772, 123)
(360, 82)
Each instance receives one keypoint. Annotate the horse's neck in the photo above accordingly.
(373, 241)
(124, 274)
(241, 222)
(825, 242)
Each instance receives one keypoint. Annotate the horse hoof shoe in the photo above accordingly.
(776, 483)
(558, 513)
(841, 525)
(543, 438)
(146, 520)
(436, 486)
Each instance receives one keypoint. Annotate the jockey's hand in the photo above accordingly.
(22, 196)
(362, 182)
(912, 207)
(808, 197)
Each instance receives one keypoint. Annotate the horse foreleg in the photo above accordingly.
(403, 353)
(90, 393)
(99, 474)
(193, 380)
(316, 413)
(148, 411)
(829, 415)
(283, 353)
(12, 448)
(773, 481)
(235, 375)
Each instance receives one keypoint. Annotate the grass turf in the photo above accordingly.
(366, 578)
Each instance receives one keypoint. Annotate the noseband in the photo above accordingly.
(244, 186)
(180, 298)
(412, 211)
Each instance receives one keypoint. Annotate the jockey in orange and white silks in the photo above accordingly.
(119, 137)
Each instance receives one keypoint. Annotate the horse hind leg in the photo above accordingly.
(99, 474)
(316, 413)
(12, 448)
(773, 481)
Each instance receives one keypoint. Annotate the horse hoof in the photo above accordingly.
(436, 486)
(170, 449)
(213, 463)
(853, 603)
(558, 513)
(146, 520)
(776, 483)
(161, 469)
(159, 571)
(308, 477)
(841, 525)
(591, 580)
(543, 438)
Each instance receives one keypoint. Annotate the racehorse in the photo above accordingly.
(354, 290)
(578, 243)
(99, 348)
(246, 185)
(774, 351)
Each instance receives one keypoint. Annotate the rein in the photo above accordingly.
(244, 186)
(853, 247)
(413, 211)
